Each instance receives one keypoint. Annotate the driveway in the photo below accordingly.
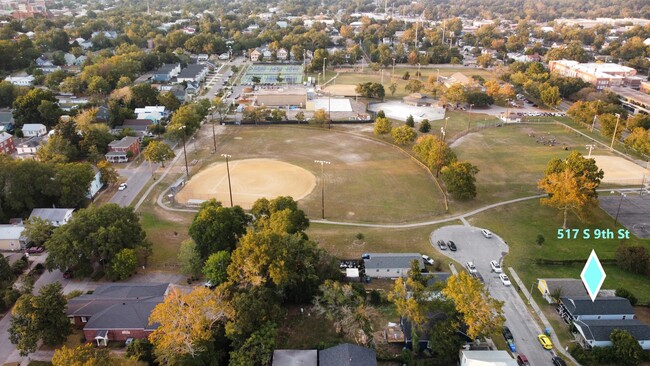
(473, 246)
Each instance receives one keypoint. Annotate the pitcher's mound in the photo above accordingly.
(250, 179)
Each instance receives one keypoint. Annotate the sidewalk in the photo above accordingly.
(538, 311)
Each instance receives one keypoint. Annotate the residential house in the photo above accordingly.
(282, 24)
(80, 60)
(202, 57)
(137, 125)
(166, 72)
(603, 308)
(255, 55)
(46, 65)
(83, 43)
(193, 73)
(103, 114)
(482, 358)
(69, 59)
(554, 288)
(153, 113)
(116, 312)
(107, 34)
(27, 148)
(96, 183)
(55, 216)
(595, 333)
(7, 143)
(295, 357)
(267, 54)
(11, 237)
(34, 129)
(282, 54)
(21, 80)
(6, 121)
(390, 265)
(123, 150)
(347, 354)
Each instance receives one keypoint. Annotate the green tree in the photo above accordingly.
(608, 125)
(24, 330)
(73, 181)
(189, 259)
(143, 95)
(158, 152)
(300, 116)
(169, 100)
(403, 135)
(108, 174)
(57, 149)
(455, 93)
(257, 349)
(550, 95)
(26, 106)
(626, 348)
(410, 121)
(581, 167)
(482, 314)
(621, 292)
(38, 230)
(122, 266)
(383, 126)
(86, 354)
(98, 85)
(49, 112)
(433, 152)
(216, 228)
(414, 86)
(639, 140)
(320, 117)
(566, 191)
(638, 120)
(425, 126)
(6, 275)
(280, 213)
(215, 268)
(381, 114)
(460, 179)
(479, 99)
(392, 88)
(633, 258)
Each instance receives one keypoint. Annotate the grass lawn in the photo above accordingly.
(520, 223)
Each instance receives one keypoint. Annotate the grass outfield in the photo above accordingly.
(511, 161)
(366, 181)
(520, 223)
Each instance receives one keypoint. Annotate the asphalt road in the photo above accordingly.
(473, 246)
(136, 179)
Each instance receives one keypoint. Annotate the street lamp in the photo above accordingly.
(443, 133)
(446, 121)
(214, 136)
(324, 62)
(590, 147)
(228, 170)
(438, 77)
(618, 118)
(322, 192)
(623, 195)
(187, 169)
(393, 74)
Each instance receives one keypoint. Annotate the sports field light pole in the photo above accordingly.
(623, 195)
(187, 170)
(214, 136)
(393, 74)
(618, 119)
(228, 170)
(590, 147)
(419, 74)
(324, 63)
(322, 192)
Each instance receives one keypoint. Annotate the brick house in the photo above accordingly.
(118, 151)
(117, 311)
(7, 143)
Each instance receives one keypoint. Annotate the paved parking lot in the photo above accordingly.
(473, 246)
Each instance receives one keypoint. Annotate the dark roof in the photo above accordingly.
(135, 124)
(568, 287)
(392, 260)
(125, 142)
(191, 71)
(125, 315)
(165, 68)
(599, 330)
(6, 117)
(347, 354)
(582, 305)
(102, 113)
(438, 277)
(106, 296)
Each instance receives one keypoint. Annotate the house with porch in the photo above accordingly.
(34, 129)
(123, 150)
(603, 308)
(554, 288)
(255, 55)
(282, 54)
(154, 113)
(117, 311)
(595, 333)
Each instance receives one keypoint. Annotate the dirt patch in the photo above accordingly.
(250, 179)
(620, 171)
(642, 313)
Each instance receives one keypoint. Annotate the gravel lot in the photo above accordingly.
(473, 246)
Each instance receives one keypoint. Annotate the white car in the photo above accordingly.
(471, 267)
(121, 187)
(486, 233)
(504, 279)
(427, 259)
(495, 266)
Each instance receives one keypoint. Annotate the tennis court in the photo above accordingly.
(268, 74)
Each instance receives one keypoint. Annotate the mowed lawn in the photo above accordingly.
(367, 181)
(519, 224)
(512, 159)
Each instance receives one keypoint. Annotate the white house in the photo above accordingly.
(595, 333)
(56, 216)
(69, 59)
(282, 54)
(21, 80)
(483, 358)
(27, 148)
(390, 265)
(11, 237)
(153, 113)
(193, 73)
(96, 184)
(34, 129)
(255, 55)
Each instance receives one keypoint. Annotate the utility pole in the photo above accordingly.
(322, 192)
(618, 119)
(393, 74)
(214, 136)
(228, 170)
(324, 62)
(187, 169)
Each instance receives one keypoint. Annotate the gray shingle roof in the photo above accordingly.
(191, 71)
(392, 260)
(106, 296)
(582, 305)
(165, 68)
(125, 315)
(53, 215)
(125, 142)
(6, 117)
(568, 286)
(295, 357)
(347, 354)
(599, 330)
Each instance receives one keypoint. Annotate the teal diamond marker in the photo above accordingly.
(593, 275)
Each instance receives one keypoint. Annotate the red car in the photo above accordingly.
(522, 360)
(67, 273)
(35, 250)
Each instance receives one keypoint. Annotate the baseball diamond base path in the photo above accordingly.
(620, 171)
(250, 179)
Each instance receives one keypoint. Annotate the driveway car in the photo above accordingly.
(67, 273)
(122, 187)
(545, 341)
(496, 267)
(442, 245)
(452, 246)
(35, 250)
(486, 233)
(471, 267)
(522, 360)
(504, 279)
(427, 259)
(557, 361)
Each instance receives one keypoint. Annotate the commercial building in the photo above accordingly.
(633, 100)
(601, 75)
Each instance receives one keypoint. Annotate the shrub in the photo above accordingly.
(633, 258)
(621, 292)
(73, 294)
(375, 297)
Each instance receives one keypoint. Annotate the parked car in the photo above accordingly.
(35, 250)
(557, 361)
(486, 233)
(427, 259)
(545, 341)
(495, 266)
(511, 346)
(504, 279)
(121, 187)
(68, 273)
(452, 246)
(209, 285)
(478, 276)
(507, 334)
(442, 245)
(522, 360)
(471, 267)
